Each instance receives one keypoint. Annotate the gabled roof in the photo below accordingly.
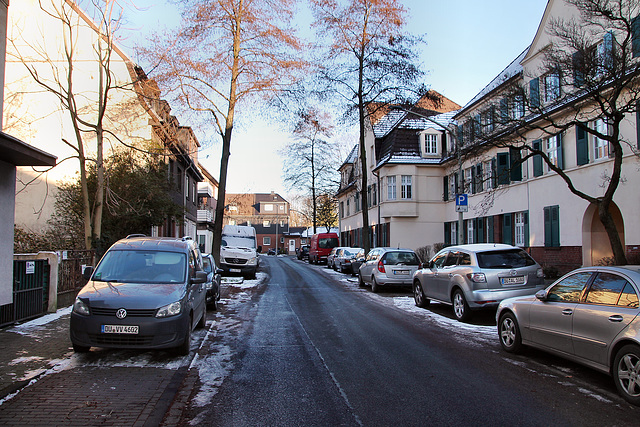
(505, 75)
(18, 153)
(351, 158)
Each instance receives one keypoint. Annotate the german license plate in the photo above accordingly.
(120, 329)
(518, 280)
(401, 272)
(235, 270)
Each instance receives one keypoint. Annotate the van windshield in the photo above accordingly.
(328, 242)
(239, 241)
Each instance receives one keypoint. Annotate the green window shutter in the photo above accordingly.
(456, 183)
(479, 178)
(478, 229)
(472, 184)
(555, 226)
(582, 146)
(578, 69)
(507, 229)
(503, 168)
(460, 135)
(526, 229)
(494, 173)
(490, 238)
(560, 152)
(447, 233)
(552, 226)
(445, 188)
(635, 36)
(516, 165)
(534, 93)
(537, 158)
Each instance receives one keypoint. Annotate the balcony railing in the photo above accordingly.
(205, 215)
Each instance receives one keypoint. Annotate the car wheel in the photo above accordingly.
(203, 320)
(375, 288)
(360, 281)
(80, 348)
(509, 333)
(184, 348)
(460, 307)
(418, 295)
(626, 373)
(213, 304)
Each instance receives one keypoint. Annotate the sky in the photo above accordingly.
(468, 43)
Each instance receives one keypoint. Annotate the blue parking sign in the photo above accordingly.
(462, 203)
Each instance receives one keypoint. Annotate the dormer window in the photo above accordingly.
(429, 143)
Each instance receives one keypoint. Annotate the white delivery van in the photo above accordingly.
(238, 250)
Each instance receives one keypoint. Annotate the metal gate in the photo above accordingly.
(30, 291)
(70, 279)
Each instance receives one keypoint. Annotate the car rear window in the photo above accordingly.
(404, 258)
(511, 258)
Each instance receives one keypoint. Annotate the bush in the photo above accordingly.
(424, 253)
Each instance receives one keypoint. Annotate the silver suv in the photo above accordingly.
(477, 276)
(388, 266)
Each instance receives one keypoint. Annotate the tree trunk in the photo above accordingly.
(363, 161)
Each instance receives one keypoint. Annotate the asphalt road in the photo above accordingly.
(314, 352)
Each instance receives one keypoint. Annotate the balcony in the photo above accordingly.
(205, 215)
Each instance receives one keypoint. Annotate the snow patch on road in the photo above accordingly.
(32, 327)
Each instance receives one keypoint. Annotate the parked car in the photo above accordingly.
(589, 315)
(214, 280)
(146, 292)
(342, 261)
(356, 262)
(477, 276)
(320, 246)
(332, 255)
(271, 251)
(303, 252)
(388, 266)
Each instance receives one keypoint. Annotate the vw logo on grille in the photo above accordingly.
(121, 313)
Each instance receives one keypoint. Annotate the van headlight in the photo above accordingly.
(169, 310)
(252, 261)
(81, 307)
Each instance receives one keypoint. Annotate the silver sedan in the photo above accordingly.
(589, 316)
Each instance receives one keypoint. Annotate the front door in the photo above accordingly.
(292, 246)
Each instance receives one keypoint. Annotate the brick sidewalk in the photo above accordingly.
(74, 393)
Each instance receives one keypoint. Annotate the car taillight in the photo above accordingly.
(381, 267)
(540, 273)
(477, 277)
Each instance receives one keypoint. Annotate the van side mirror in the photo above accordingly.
(200, 277)
(260, 249)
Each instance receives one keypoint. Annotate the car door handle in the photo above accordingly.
(616, 318)
(567, 312)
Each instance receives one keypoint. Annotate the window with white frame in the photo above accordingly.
(266, 241)
(470, 231)
(517, 107)
(551, 148)
(268, 207)
(519, 222)
(551, 86)
(348, 207)
(430, 144)
(406, 187)
(487, 121)
(266, 223)
(487, 169)
(391, 187)
(468, 177)
(374, 194)
(232, 222)
(488, 229)
(600, 146)
(454, 233)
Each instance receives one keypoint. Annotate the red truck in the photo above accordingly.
(321, 245)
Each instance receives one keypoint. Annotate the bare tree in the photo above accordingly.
(310, 158)
(227, 52)
(590, 77)
(63, 77)
(368, 64)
